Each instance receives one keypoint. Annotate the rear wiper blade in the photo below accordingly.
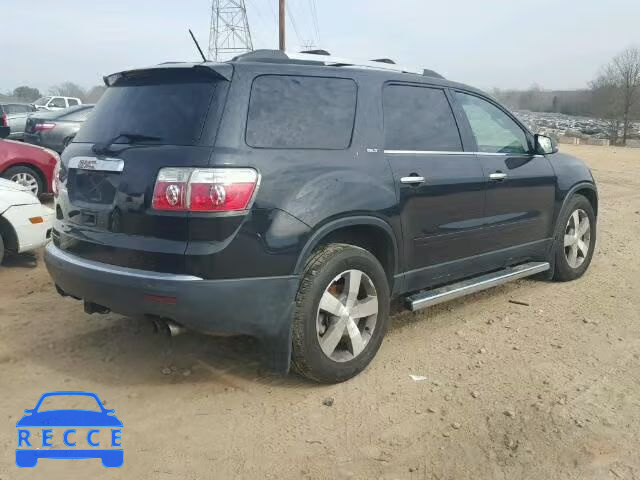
(103, 148)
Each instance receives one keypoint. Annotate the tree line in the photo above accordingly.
(614, 96)
(27, 94)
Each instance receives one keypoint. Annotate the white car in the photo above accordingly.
(56, 103)
(25, 224)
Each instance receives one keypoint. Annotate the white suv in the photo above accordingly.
(56, 103)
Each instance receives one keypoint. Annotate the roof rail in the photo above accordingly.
(322, 58)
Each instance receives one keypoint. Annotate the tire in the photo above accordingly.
(22, 174)
(328, 271)
(1, 249)
(566, 269)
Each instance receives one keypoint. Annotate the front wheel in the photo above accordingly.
(341, 315)
(575, 240)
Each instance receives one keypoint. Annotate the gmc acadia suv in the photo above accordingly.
(290, 197)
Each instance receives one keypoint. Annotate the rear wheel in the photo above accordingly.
(25, 176)
(575, 240)
(1, 249)
(342, 312)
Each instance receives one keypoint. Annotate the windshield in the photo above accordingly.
(168, 108)
(41, 101)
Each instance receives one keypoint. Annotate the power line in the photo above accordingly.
(314, 17)
(293, 22)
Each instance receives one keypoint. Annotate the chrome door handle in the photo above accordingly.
(412, 180)
(498, 176)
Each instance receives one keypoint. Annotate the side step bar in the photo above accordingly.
(427, 298)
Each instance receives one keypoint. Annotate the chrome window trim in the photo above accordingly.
(114, 269)
(426, 152)
(435, 152)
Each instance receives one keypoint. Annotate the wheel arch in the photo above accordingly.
(370, 233)
(8, 234)
(586, 189)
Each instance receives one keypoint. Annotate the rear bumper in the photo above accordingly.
(260, 307)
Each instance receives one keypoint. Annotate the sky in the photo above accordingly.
(556, 44)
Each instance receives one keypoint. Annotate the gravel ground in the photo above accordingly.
(547, 390)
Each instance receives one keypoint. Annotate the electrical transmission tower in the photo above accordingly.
(229, 34)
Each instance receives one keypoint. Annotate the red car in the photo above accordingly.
(28, 165)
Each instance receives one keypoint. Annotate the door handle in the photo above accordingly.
(498, 176)
(412, 180)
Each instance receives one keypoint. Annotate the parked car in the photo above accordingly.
(55, 130)
(25, 224)
(14, 116)
(30, 166)
(290, 197)
(56, 103)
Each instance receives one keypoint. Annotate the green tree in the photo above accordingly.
(28, 94)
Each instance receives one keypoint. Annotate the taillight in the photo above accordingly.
(43, 127)
(204, 189)
(4, 121)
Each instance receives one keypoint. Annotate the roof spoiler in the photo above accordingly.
(223, 71)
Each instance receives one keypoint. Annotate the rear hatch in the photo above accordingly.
(146, 120)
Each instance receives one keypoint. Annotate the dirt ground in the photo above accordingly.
(548, 390)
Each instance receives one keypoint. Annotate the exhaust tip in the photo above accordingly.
(165, 327)
(90, 308)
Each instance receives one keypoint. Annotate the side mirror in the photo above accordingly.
(545, 145)
(4, 132)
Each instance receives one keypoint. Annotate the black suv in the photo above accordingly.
(290, 197)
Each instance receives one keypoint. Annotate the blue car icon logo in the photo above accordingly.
(84, 433)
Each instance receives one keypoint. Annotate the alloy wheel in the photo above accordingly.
(26, 180)
(577, 238)
(347, 315)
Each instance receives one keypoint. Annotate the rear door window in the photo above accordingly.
(287, 111)
(169, 106)
(419, 119)
(72, 102)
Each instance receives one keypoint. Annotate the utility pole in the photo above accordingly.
(282, 24)
(229, 33)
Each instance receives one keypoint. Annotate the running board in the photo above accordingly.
(427, 298)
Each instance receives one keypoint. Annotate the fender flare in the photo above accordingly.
(571, 193)
(352, 221)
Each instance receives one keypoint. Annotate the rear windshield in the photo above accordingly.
(169, 107)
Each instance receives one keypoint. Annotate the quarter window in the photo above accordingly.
(301, 112)
(494, 130)
(419, 118)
